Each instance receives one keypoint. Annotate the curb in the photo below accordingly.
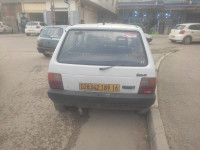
(158, 140)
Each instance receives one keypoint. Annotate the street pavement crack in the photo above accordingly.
(77, 123)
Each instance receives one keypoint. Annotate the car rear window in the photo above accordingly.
(32, 23)
(103, 48)
(51, 32)
(179, 27)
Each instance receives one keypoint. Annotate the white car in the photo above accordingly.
(103, 66)
(4, 28)
(34, 27)
(185, 33)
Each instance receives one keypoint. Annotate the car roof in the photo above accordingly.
(61, 26)
(189, 24)
(35, 21)
(106, 26)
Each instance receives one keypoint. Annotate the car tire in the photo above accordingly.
(62, 108)
(59, 108)
(149, 40)
(27, 34)
(46, 55)
(173, 41)
(187, 40)
(143, 111)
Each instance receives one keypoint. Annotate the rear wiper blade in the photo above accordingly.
(105, 68)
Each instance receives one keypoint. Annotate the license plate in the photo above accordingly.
(48, 52)
(172, 36)
(99, 87)
(31, 30)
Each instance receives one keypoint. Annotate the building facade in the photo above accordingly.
(17, 13)
(92, 11)
(158, 16)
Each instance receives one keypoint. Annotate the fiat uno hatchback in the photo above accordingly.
(103, 66)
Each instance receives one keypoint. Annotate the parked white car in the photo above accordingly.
(185, 33)
(4, 28)
(107, 66)
(34, 27)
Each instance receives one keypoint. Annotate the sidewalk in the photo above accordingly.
(179, 98)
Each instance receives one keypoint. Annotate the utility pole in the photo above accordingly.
(53, 19)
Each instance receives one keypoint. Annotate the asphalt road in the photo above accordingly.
(28, 119)
(179, 97)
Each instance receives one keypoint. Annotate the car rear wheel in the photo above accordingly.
(62, 109)
(46, 55)
(187, 40)
(173, 41)
(149, 40)
(27, 34)
(143, 111)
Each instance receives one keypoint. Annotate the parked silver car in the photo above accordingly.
(4, 28)
(49, 38)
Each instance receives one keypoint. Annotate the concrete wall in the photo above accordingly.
(60, 5)
(33, 7)
(110, 5)
(9, 14)
(89, 14)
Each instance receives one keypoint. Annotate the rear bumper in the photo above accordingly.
(101, 100)
(32, 31)
(176, 37)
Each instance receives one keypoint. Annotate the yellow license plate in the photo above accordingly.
(49, 52)
(172, 36)
(99, 87)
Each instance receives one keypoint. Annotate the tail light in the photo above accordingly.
(37, 27)
(182, 32)
(1, 26)
(55, 81)
(147, 86)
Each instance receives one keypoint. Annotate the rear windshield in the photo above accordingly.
(52, 32)
(103, 48)
(32, 23)
(179, 27)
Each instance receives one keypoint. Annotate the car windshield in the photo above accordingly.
(52, 32)
(106, 48)
(32, 23)
(179, 27)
